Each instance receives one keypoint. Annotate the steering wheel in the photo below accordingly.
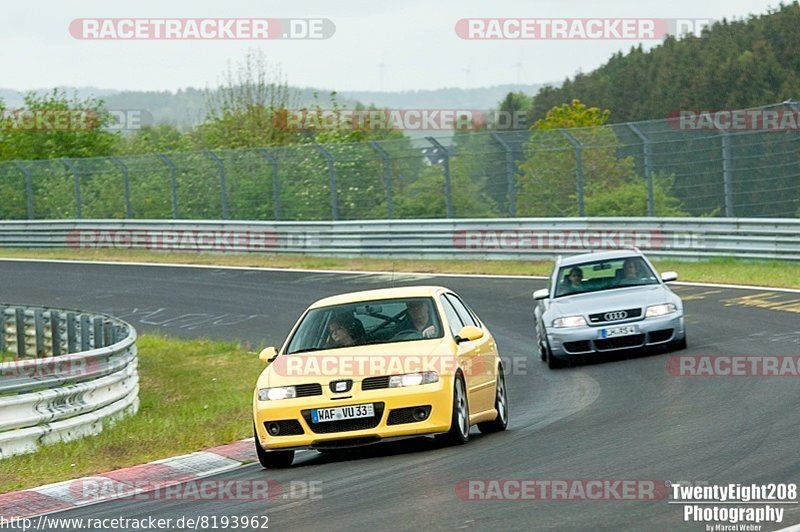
(407, 334)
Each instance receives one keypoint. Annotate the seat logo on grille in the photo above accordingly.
(614, 316)
(341, 386)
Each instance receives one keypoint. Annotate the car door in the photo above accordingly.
(481, 371)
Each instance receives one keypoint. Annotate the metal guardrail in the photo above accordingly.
(506, 238)
(66, 374)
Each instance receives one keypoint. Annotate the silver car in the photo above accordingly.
(606, 302)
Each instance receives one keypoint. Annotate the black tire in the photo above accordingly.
(679, 345)
(554, 362)
(272, 459)
(459, 420)
(542, 352)
(499, 423)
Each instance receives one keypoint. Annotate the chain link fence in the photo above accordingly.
(652, 168)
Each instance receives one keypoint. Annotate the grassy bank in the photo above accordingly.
(193, 395)
(784, 274)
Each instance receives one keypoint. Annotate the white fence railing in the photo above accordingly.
(507, 238)
(65, 373)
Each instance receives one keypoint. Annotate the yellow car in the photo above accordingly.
(373, 366)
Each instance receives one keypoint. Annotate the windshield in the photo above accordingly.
(603, 275)
(366, 322)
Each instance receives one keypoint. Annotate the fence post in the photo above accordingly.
(223, 193)
(19, 315)
(331, 181)
(3, 328)
(276, 197)
(448, 192)
(28, 188)
(648, 168)
(512, 189)
(126, 185)
(387, 177)
(77, 185)
(727, 178)
(173, 183)
(578, 170)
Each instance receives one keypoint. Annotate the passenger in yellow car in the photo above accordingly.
(346, 330)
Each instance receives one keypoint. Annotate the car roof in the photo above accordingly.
(383, 293)
(600, 255)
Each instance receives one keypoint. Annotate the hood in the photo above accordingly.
(357, 363)
(609, 300)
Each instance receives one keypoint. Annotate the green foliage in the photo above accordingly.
(732, 65)
(52, 126)
(630, 199)
(547, 185)
(425, 198)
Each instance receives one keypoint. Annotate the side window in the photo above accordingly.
(453, 320)
(461, 310)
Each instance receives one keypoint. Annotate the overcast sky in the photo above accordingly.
(415, 40)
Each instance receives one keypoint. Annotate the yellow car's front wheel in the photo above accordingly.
(459, 422)
(272, 459)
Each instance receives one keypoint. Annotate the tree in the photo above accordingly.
(573, 134)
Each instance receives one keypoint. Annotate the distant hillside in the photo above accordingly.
(733, 65)
(187, 107)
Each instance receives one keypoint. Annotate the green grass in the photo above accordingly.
(193, 395)
(778, 273)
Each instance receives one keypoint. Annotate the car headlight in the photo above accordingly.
(276, 394)
(569, 321)
(413, 379)
(660, 310)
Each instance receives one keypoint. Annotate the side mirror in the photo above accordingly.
(267, 355)
(669, 276)
(468, 333)
(543, 293)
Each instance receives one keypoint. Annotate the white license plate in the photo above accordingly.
(321, 415)
(612, 332)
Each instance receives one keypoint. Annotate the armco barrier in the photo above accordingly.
(508, 238)
(66, 372)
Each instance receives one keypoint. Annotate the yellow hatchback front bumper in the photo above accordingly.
(395, 410)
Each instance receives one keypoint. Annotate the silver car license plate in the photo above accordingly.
(613, 332)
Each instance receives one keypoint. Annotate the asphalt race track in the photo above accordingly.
(624, 419)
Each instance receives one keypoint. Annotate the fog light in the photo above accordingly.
(420, 413)
(273, 428)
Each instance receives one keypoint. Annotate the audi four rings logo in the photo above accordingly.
(614, 316)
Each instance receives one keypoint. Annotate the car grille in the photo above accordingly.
(308, 390)
(622, 342)
(581, 346)
(375, 383)
(406, 415)
(345, 425)
(657, 337)
(288, 427)
(601, 317)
